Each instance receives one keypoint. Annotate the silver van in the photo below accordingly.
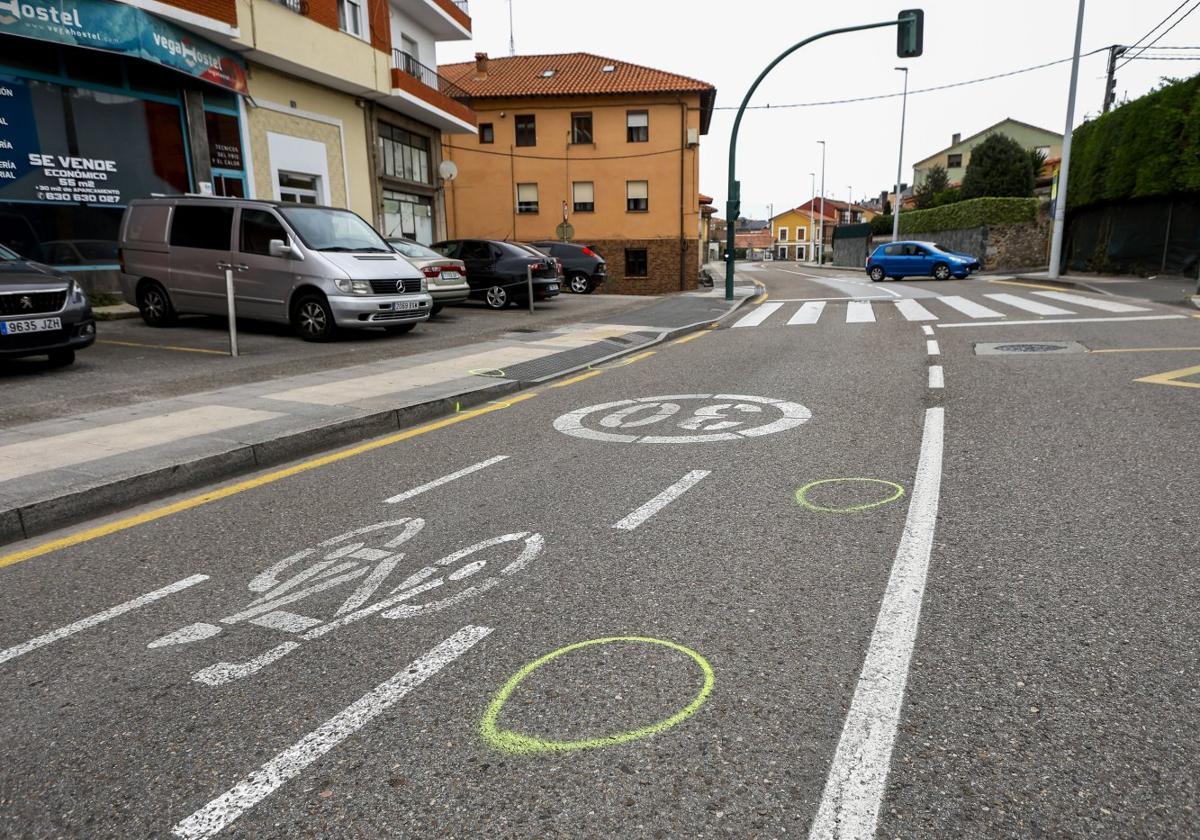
(318, 268)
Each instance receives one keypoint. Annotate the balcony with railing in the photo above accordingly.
(412, 77)
(447, 20)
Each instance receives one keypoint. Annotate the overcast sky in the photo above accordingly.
(777, 149)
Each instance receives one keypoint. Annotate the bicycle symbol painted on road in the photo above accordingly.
(717, 417)
(347, 560)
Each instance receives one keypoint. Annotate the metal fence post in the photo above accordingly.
(529, 286)
(233, 347)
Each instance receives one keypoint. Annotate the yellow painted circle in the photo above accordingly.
(509, 741)
(802, 495)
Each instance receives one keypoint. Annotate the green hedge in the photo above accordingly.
(1147, 147)
(972, 213)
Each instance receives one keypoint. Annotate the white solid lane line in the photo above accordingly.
(99, 618)
(928, 330)
(661, 500)
(859, 312)
(260, 784)
(913, 311)
(808, 313)
(760, 314)
(1094, 303)
(1117, 319)
(849, 808)
(931, 347)
(1034, 306)
(969, 307)
(937, 379)
(446, 479)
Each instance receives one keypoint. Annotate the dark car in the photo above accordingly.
(496, 271)
(583, 267)
(42, 311)
(918, 259)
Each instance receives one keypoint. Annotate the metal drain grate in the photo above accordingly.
(1025, 348)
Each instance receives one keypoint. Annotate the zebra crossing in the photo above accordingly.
(994, 306)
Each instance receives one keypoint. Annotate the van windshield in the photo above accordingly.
(326, 229)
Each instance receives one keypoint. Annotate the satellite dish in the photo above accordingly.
(448, 169)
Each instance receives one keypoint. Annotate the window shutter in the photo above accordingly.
(637, 189)
(527, 193)
(638, 119)
(585, 192)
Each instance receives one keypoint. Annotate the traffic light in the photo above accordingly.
(910, 33)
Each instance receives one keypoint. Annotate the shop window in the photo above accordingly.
(200, 226)
(214, 98)
(527, 198)
(224, 141)
(526, 129)
(404, 154)
(229, 187)
(258, 228)
(299, 188)
(637, 196)
(28, 54)
(584, 196)
(637, 263)
(94, 67)
(148, 77)
(408, 216)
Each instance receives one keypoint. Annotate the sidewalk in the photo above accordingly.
(1163, 289)
(56, 472)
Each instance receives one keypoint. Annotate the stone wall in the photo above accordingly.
(663, 267)
(1024, 245)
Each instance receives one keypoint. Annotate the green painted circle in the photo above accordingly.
(802, 495)
(509, 741)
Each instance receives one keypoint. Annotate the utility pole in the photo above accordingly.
(1110, 85)
(821, 237)
(1064, 170)
(900, 159)
(512, 41)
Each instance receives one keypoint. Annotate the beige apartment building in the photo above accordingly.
(604, 151)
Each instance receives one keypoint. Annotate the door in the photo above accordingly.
(480, 265)
(200, 251)
(262, 282)
(920, 259)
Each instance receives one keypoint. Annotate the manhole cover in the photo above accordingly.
(1028, 347)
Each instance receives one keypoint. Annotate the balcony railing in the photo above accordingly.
(427, 76)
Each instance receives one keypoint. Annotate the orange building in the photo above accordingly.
(609, 148)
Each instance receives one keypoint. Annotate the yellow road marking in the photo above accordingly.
(578, 378)
(1171, 377)
(636, 358)
(761, 299)
(691, 337)
(1030, 285)
(249, 484)
(1196, 316)
(1145, 349)
(163, 347)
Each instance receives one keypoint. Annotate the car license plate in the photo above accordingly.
(451, 275)
(405, 305)
(552, 287)
(30, 326)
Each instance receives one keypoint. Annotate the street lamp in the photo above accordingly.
(1064, 166)
(821, 238)
(812, 251)
(900, 158)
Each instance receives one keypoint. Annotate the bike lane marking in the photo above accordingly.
(663, 499)
(857, 779)
(99, 618)
(446, 479)
(287, 765)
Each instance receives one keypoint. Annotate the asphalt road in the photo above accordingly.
(887, 609)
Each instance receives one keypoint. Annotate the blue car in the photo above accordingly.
(918, 259)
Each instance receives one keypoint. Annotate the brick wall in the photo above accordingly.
(324, 12)
(379, 19)
(663, 274)
(222, 10)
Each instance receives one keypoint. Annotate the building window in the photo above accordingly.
(299, 188)
(954, 161)
(781, 253)
(527, 198)
(637, 196)
(408, 216)
(801, 234)
(487, 134)
(800, 253)
(637, 263)
(405, 155)
(1044, 150)
(581, 128)
(584, 196)
(526, 130)
(637, 126)
(350, 17)
(783, 234)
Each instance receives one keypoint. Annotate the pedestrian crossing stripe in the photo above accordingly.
(926, 309)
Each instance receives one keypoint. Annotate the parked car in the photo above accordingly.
(42, 311)
(583, 267)
(918, 259)
(447, 277)
(496, 270)
(319, 268)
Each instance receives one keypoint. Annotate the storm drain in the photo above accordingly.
(1025, 348)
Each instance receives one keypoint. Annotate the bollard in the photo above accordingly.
(529, 286)
(233, 347)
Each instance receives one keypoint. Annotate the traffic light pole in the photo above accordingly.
(733, 204)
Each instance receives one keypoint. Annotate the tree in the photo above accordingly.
(1037, 158)
(999, 166)
(936, 181)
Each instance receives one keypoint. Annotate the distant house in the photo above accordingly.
(794, 232)
(955, 157)
(757, 243)
(836, 213)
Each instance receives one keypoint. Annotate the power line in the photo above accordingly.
(1162, 34)
(911, 92)
(1154, 28)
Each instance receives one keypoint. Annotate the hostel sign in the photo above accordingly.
(116, 27)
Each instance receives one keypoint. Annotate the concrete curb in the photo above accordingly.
(44, 515)
(1065, 284)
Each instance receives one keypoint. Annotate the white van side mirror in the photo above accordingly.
(279, 248)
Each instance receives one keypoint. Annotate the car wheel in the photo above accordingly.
(313, 319)
(878, 274)
(155, 305)
(579, 284)
(398, 329)
(498, 297)
(941, 271)
(61, 358)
